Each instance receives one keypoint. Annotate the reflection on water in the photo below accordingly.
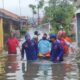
(2, 67)
(14, 69)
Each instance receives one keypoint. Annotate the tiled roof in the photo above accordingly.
(9, 14)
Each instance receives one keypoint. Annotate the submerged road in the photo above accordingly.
(12, 68)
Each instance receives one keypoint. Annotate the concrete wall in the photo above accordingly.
(77, 2)
(1, 33)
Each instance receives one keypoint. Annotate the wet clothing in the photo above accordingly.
(62, 42)
(56, 51)
(35, 48)
(66, 47)
(44, 47)
(65, 42)
(12, 43)
(29, 49)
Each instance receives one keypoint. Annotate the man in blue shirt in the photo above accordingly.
(29, 48)
(57, 50)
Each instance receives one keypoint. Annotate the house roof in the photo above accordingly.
(9, 14)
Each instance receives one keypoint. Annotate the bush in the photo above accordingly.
(53, 31)
(23, 31)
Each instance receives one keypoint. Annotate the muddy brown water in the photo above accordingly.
(12, 68)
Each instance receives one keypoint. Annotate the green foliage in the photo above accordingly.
(23, 30)
(59, 12)
(41, 4)
(52, 31)
(33, 7)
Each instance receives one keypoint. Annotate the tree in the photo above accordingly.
(33, 7)
(59, 12)
(40, 6)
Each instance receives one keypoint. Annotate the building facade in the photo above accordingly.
(77, 14)
(9, 22)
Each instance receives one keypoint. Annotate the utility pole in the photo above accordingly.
(3, 3)
(38, 15)
(20, 14)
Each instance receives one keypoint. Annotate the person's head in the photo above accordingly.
(61, 34)
(36, 33)
(12, 35)
(53, 37)
(44, 36)
(27, 36)
(35, 38)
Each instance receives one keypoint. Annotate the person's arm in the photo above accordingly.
(17, 44)
(22, 50)
(61, 52)
(49, 46)
(72, 47)
(68, 44)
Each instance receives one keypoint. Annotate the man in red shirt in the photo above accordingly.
(12, 43)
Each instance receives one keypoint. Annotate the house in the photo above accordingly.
(8, 22)
(77, 14)
(77, 3)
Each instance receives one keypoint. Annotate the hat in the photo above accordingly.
(36, 33)
(53, 36)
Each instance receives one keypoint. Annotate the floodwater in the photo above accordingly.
(12, 68)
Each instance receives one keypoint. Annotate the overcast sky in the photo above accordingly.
(13, 6)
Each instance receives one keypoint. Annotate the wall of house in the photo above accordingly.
(78, 29)
(77, 3)
(1, 34)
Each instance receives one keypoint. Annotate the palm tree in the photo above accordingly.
(40, 6)
(33, 7)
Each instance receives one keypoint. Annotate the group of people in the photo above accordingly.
(54, 46)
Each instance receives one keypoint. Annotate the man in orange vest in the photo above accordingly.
(65, 41)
